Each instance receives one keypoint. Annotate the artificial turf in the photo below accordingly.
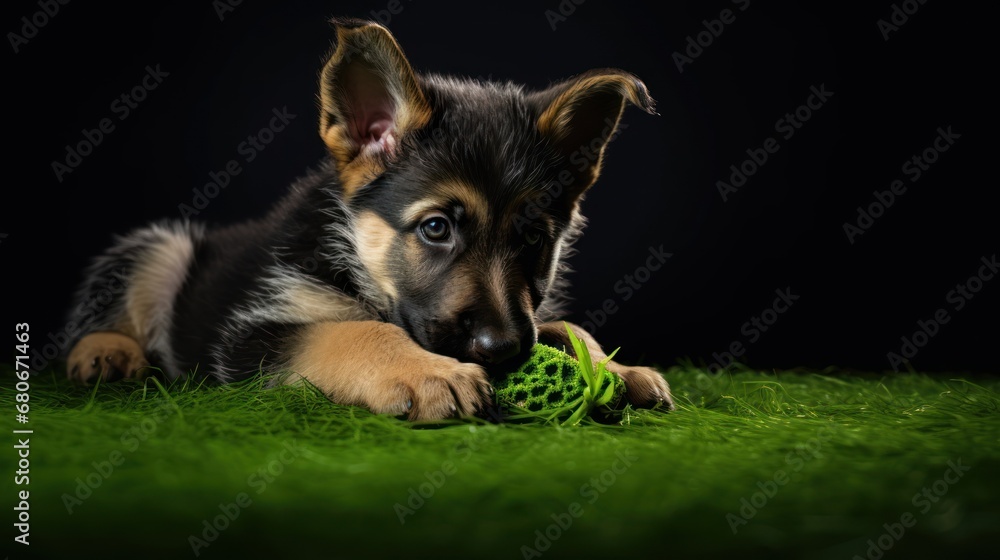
(799, 464)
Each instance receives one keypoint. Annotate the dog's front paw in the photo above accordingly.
(432, 388)
(109, 355)
(377, 365)
(644, 387)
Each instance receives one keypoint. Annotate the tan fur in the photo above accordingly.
(459, 291)
(309, 304)
(496, 285)
(373, 46)
(155, 281)
(106, 354)
(445, 194)
(375, 238)
(355, 170)
(377, 365)
(339, 348)
(414, 252)
(300, 300)
(557, 119)
(644, 387)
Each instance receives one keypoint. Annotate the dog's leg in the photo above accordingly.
(644, 387)
(124, 308)
(109, 355)
(377, 365)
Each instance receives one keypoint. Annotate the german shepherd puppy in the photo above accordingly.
(424, 252)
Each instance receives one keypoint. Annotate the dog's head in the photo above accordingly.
(464, 194)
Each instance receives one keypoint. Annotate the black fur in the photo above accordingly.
(482, 134)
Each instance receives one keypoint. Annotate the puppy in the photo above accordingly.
(425, 252)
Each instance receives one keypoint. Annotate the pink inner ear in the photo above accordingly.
(372, 111)
(381, 135)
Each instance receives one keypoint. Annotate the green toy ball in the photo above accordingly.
(553, 385)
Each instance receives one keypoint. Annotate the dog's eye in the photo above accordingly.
(435, 229)
(532, 237)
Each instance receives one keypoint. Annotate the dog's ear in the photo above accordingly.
(580, 115)
(369, 99)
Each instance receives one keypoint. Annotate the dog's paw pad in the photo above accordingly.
(110, 356)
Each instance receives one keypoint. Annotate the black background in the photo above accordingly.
(782, 229)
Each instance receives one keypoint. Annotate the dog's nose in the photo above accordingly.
(493, 347)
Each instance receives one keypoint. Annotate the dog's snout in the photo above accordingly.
(493, 347)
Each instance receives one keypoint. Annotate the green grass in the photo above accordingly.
(855, 449)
